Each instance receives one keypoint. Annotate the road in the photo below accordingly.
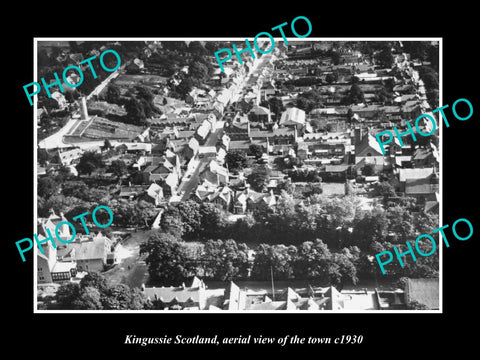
(131, 269)
(186, 187)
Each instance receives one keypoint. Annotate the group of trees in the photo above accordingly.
(275, 105)
(309, 100)
(193, 220)
(95, 293)
(138, 103)
(177, 54)
(170, 261)
(337, 221)
(304, 175)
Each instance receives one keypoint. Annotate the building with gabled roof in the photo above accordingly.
(91, 252)
(292, 116)
(193, 297)
(368, 146)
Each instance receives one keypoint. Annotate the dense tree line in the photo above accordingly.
(170, 262)
(337, 221)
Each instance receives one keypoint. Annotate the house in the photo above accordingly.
(412, 174)
(160, 168)
(153, 195)
(423, 188)
(423, 157)
(259, 114)
(378, 164)
(203, 131)
(60, 99)
(191, 298)
(214, 173)
(92, 252)
(49, 269)
(293, 117)
(335, 172)
(310, 298)
(220, 196)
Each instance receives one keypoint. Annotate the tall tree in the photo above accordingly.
(118, 168)
(135, 111)
(276, 259)
(46, 187)
(166, 259)
(89, 162)
(236, 160)
(372, 227)
(226, 260)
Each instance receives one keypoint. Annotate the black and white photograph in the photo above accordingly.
(252, 186)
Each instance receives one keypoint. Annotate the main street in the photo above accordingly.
(191, 180)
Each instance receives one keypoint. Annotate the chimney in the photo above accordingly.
(83, 108)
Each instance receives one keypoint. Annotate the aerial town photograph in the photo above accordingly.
(254, 186)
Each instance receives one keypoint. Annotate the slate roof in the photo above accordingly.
(417, 173)
(97, 248)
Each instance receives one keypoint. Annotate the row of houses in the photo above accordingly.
(198, 296)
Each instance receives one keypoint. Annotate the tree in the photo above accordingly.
(276, 259)
(113, 94)
(196, 47)
(256, 150)
(94, 293)
(368, 170)
(144, 92)
(384, 189)
(60, 204)
(88, 299)
(63, 173)
(313, 261)
(89, 162)
(135, 111)
(257, 181)
(372, 227)
(171, 222)
(94, 280)
(67, 294)
(191, 216)
(330, 78)
(415, 305)
(46, 187)
(335, 56)
(384, 57)
(276, 106)
(344, 271)
(212, 220)
(236, 160)
(118, 168)
(226, 260)
(198, 71)
(355, 95)
(166, 259)
(121, 297)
